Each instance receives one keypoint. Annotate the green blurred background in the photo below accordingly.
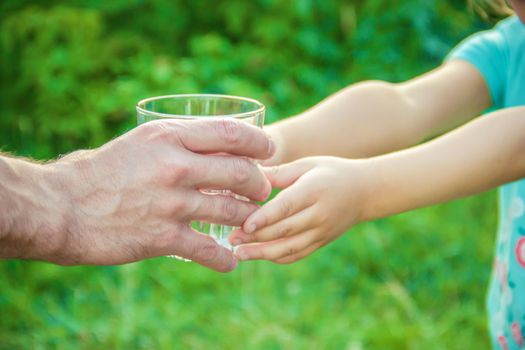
(71, 73)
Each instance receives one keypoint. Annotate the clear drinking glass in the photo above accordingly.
(197, 106)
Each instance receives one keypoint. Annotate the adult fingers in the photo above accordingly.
(277, 249)
(216, 135)
(286, 203)
(222, 209)
(289, 226)
(203, 250)
(237, 174)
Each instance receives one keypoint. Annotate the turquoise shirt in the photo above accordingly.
(499, 55)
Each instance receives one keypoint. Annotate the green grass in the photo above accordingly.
(415, 281)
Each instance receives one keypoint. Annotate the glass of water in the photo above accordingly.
(198, 106)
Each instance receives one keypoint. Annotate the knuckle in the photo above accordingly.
(175, 172)
(210, 206)
(283, 231)
(241, 170)
(179, 207)
(230, 131)
(156, 131)
(206, 253)
(229, 210)
(150, 128)
(291, 251)
(285, 207)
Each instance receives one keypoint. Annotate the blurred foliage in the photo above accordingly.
(71, 73)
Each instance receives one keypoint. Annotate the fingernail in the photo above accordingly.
(236, 241)
(251, 228)
(242, 256)
(267, 192)
(271, 147)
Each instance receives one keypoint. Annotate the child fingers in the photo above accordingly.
(282, 176)
(300, 255)
(290, 226)
(277, 249)
(285, 204)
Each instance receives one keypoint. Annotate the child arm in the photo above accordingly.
(373, 117)
(325, 196)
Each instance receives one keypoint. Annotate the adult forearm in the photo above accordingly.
(362, 120)
(31, 218)
(481, 155)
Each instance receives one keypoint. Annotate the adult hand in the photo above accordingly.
(134, 197)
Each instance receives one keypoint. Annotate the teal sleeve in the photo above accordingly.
(488, 52)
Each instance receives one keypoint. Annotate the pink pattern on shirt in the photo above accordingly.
(520, 251)
(503, 342)
(516, 333)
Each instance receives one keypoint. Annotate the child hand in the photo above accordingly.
(322, 198)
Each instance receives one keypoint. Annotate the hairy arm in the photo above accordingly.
(31, 210)
(134, 197)
(374, 117)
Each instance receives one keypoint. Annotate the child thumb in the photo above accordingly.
(282, 176)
